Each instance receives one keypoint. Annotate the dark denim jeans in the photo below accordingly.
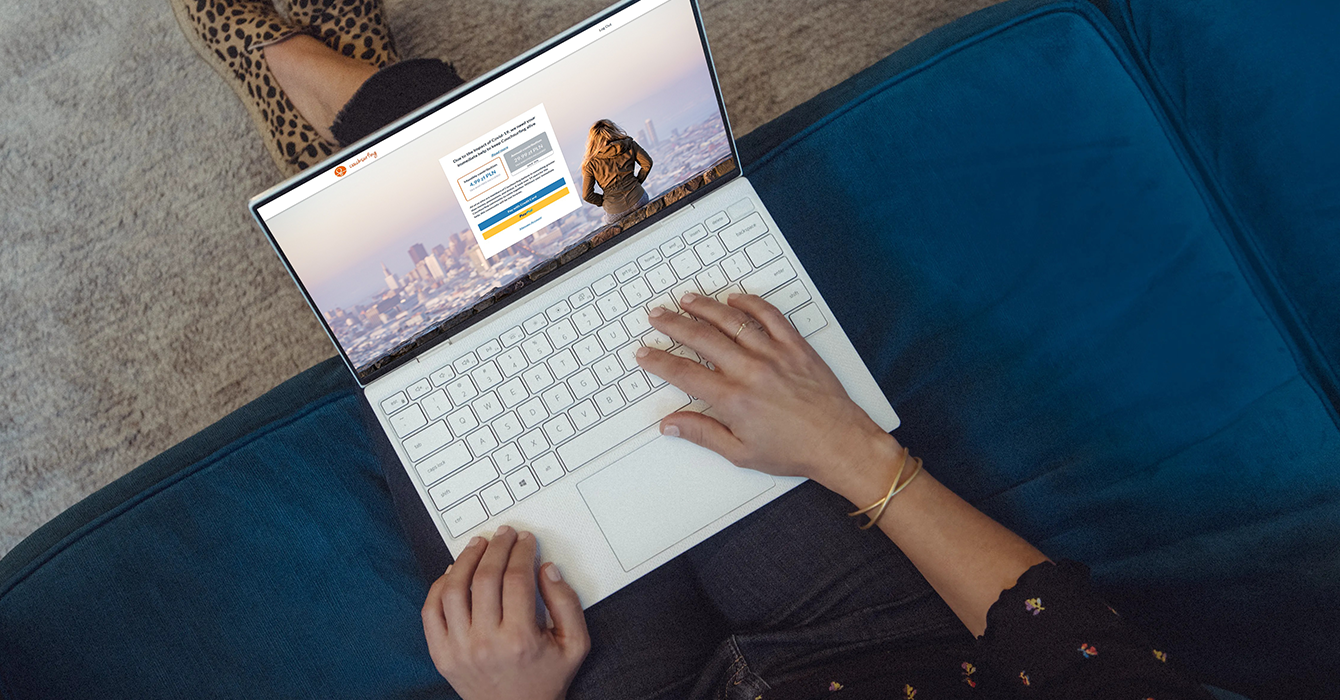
(791, 586)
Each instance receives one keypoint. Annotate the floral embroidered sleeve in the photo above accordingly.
(1051, 637)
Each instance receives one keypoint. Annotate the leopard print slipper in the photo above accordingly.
(229, 35)
(354, 28)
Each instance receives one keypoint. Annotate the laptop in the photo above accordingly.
(490, 312)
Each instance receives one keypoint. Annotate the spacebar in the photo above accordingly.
(601, 438)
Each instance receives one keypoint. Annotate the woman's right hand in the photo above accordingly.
(778, 407)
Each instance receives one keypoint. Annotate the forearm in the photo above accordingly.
(966, 556)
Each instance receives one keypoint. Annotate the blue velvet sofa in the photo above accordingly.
(1090, 250)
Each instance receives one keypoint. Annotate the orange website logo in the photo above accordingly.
(340, 171)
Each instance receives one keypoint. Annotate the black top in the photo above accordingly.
(1048, 637)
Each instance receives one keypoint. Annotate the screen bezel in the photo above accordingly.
(415, 347)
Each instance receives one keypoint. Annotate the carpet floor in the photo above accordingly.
(141, 303)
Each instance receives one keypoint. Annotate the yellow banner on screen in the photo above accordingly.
(515, 218)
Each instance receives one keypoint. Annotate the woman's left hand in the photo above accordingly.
(480, 622)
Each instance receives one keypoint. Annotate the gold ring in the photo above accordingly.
(739, 330)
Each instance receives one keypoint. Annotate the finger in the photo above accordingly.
(727, 319)
(434, 623)
(774, 321)
(566, 610)
(456, 587)
(704, 431)
(703, 337)
(691, 377)
(486, 589)
(519, 583)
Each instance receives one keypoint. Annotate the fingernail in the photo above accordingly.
(656, 311)
(643, 351)
(688, 298)
(525, 535)
(733, 296)
(551, 572)
(671, 430)
(475, 541)
(504, 530)
(444, 573)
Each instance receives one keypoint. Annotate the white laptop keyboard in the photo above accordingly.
(544, 398)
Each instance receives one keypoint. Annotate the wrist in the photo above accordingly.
(868, 469)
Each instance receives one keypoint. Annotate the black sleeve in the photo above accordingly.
(1051, 637)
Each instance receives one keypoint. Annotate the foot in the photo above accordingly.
(230, 35)
(352, 28)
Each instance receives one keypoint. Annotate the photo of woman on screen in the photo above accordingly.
(610, 160)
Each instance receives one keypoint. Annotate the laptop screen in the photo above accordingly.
(468, 204)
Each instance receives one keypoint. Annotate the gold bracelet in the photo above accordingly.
(894, 490)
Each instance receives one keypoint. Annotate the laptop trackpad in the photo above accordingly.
(665, 491)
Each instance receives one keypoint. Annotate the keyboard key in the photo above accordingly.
(512, 361)
(522, 483)
(419, 388)
(582, 297)
(533, 444)
(587, 320)
(534, 323)
(712, 279)
(512, 336)
(611, 307)
(673, 247)
(687, 353)
(695, 234)
(636, 323)
(609, 400)
(683, 288)
(486, 376)
(441, 376)
(533, 412)
(588, 349)
(408, 421)
(583, 384)
(808, 320)
(481, 441)
(790, 296)
(507, 458)
(466, 362)
(537, 347)
(487, 407)
(461, 389)
(462, 420)
(737, 266)
(685, 265)
(513, 392)
(743, 231)
(537, 378)
(604, 285)
(608, 370)
(394, 402)
(717, 220)
(648, 260)
(710, 251)
(557, 397)
(558, 311)
(427, 441)
(548, 468)
(724, 294)
(634, 386)
(562, 334)
(559, 429)
(628, 355)
(584, 415)
(489, 349)
(665, 301)
(627, 272)
(468, 514)
(597, 440)
(763, 250)
(507, 427)
(739, 209)
(636, 292)
(612, 336)
(774, 275)
(661, 278)
(436, 404)
(496, 498)
(443, 463)
(658, 340)
(563, 363)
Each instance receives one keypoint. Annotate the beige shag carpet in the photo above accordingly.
(141, 304)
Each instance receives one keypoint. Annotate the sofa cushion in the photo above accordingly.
(1014, 239)
(1252, 87)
